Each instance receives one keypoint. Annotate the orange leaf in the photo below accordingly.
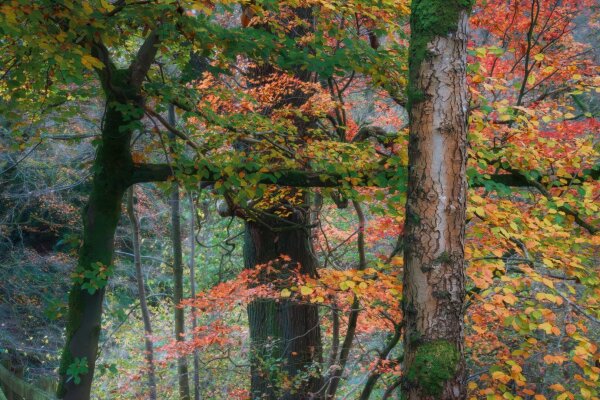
(570, 329)
(557, 387)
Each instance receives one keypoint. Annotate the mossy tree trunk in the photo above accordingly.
(434, 277)
(113, 170)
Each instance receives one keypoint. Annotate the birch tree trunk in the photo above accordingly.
(434, 277)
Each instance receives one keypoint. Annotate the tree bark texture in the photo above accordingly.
(286, 334)
(434, 276)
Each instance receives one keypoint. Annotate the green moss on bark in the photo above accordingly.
(75, 313)
(429, 19)
(434, 364)
(112, 169)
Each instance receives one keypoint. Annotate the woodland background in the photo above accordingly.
(533, 219)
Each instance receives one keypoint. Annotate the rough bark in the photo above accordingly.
(182, 365)
(137, 260)
(285, 334)
(434, 277)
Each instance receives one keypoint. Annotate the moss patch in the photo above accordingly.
(429, 19)
(434, 364)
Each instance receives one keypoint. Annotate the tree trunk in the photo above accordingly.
(434, 277)
(137, 260)
(193, 293)
(112, 169)
(182, 367)
(284, 332)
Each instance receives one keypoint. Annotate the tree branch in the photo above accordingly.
(171, 128)
(144, 58)
(567, 210)
(294, 178)
(300, 178)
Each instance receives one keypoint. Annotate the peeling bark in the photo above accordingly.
(434, 276)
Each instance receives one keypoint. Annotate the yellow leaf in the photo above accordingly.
(498, 252)
(550, 359)
(510, 299)
(546, 327)
(500, 376)
(477, 199)
(91, 62)
(480, 212)
(87, 9)
(345, 285)
(548, 282)
(548, 262)
(106, 5)
(305, 290)
(586, 393)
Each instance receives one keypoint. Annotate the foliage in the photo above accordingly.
(78, 367)
(532, 235)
